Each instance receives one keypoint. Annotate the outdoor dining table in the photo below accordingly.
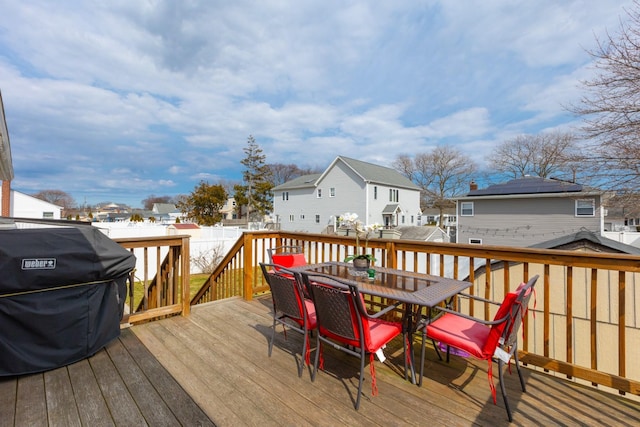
(410, 288)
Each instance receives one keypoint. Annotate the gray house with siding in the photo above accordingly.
(377, 194)
(527, 211)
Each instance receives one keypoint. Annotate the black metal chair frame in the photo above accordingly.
(508, 342)
(336, 302)
(289, 308)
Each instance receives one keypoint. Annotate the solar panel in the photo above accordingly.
(528, 186)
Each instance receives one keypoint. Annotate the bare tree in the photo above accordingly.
(442, 173)
(281, 173)
(611, 105)
(544, 155)
(57, 197)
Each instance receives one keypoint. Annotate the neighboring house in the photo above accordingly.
(25, 206)
(377, 194)
(527, 211)
(228, 210)
(431, 216)
(165, 212)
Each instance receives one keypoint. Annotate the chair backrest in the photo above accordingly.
(509, 317)
(287, 256)
(337, 309)
(286, 291)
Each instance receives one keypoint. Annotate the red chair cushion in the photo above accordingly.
(496, 330)
(460, 333)
(380, 333)
(289, 260)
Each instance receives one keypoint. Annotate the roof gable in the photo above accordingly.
(374, 173)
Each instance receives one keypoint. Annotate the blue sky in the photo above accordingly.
(119, 100)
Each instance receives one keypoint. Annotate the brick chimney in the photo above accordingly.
(473, 185)
(6, 199)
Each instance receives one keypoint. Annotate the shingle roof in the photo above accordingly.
(588, 236)
(299, 182)
(379, 174)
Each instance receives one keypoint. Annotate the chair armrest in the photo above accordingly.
(477, 298)
(475, 319)
(384, 311)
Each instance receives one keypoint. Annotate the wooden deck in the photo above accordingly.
(212, 368)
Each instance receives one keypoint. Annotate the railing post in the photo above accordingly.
(185, 261)
(248, 266)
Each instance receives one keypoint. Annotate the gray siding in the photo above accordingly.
(524, 221)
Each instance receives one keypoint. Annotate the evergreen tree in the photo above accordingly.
(204, 203)
(255, 192)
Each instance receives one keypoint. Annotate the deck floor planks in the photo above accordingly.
(31, 414)
(91, 405)
(8, 388)
(122, 407)
(151, 406)
(245, 378)
(346, 369)
(323, 389)
(61, 408)
(317, 406)
(174, 396)
(218, 388)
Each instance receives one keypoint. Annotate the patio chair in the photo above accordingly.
(287, 256)
(345, 324)
(290, 308)
(495, 340)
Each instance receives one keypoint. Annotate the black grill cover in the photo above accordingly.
(62, 293)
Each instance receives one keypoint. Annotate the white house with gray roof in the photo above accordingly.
(377, 194)
(527, 211)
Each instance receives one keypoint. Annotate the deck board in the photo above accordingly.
(212, 368)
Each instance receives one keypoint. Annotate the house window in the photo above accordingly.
(475, 241)
(292, 218)
(466, 208)
(301, 216)
(319, 193)
(317, 219)
(394, 195)
(585, 207)
(285, 195)
(411, 219)
(332, 192)
(375, 192)
(47, 215)
(403, 219)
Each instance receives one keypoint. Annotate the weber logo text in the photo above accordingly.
(39, 264)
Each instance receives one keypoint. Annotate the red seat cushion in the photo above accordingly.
(475, 338)
(289, 260)
(460, 333)
(380, 333)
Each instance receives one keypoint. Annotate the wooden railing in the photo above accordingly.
(585, 323)
(160, 283)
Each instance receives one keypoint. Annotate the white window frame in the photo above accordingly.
(319, 193)
(332, 192)
(317, 219)
(592, 207)
(292, 218)
(462, 209)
